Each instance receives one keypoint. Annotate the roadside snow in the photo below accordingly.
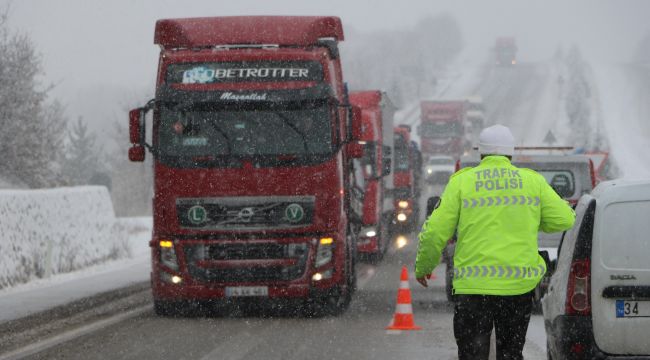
(42, 294)
(54, 231)
(623, 91)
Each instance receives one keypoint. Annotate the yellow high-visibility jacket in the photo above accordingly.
(497, 210)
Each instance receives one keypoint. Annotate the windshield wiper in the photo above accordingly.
(185, 106)
(222, 133)
(286, 120)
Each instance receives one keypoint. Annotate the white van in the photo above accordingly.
(598, 301)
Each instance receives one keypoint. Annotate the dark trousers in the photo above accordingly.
(476, 315)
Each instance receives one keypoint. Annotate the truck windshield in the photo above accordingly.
(212, 131)
(401, 154)
(440, 129)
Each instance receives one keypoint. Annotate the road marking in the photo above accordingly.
(72, 334)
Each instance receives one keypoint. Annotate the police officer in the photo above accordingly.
(497, 210)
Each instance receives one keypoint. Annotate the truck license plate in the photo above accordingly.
(632, 308)
(236, 291)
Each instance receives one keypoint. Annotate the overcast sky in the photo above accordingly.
(91, 43)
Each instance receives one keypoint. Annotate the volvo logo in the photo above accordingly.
(245, 214)
(197, 214)
(294, 212)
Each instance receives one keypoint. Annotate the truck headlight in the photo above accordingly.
(369, 231)
(169, 278)
(322, 275)
(168, 254)
(324, 252)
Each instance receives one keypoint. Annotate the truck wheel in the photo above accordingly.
(449, 281)
(339, 298)
(168, 308)
(537, 300)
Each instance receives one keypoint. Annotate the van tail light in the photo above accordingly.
(592, 173)
(578, 301)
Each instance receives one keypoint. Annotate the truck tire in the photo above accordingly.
(449, 281)
(338, 299)
(168, 308)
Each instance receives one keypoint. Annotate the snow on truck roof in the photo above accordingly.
(239, 30)
(367, 98)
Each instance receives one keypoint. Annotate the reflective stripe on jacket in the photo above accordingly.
(497, 210)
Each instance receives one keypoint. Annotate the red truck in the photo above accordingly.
(253, 140)
(407, 180)
(378, 142)
(505, 51)
(442, 128)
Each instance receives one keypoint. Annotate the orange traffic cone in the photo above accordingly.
(403, 319)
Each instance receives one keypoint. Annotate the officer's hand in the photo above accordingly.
(422, 281)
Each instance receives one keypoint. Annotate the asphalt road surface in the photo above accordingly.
(359, 333)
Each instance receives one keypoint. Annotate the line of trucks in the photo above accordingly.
(271, 179)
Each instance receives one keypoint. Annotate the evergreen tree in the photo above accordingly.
(83, 156)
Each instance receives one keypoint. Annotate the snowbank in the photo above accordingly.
(44, 232)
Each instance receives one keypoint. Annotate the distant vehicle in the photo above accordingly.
(378, 142)
(438, 169)
(442, 128)
(598, 303)
(407, 180)
(570, 175)
(253, 142)
(505, 51)
(475, 117)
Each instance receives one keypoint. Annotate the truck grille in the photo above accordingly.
(214, 262)
(249, 213)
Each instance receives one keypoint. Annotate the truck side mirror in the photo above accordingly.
(432, 202)
(387, 164)
(354, 148)
(357, 127)
(136, 126)
(136, 153)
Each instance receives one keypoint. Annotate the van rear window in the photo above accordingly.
(625, 241)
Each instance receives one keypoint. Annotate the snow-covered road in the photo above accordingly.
(624, 92)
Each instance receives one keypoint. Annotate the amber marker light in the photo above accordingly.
(166, 243)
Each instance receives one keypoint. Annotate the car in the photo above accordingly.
(598, 301)
(570, 175)
(438, 169)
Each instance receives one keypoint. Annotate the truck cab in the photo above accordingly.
(253, 140)
(377, 140)
(407, 180)
(442, 128)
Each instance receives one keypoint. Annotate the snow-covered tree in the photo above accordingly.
(31, 139)
(83, 160)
